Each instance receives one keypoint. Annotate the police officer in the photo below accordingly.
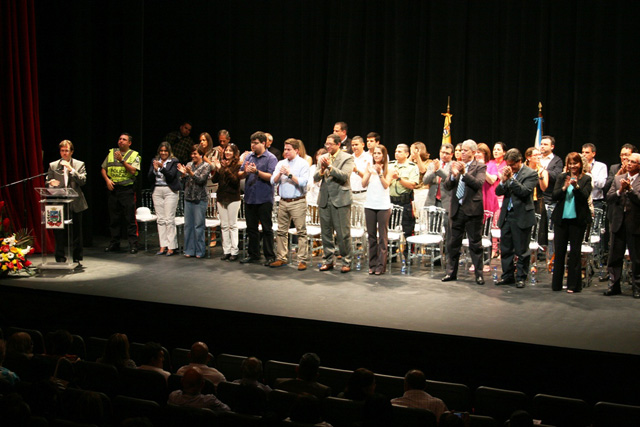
(119, 170)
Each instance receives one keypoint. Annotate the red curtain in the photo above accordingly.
(20, 143)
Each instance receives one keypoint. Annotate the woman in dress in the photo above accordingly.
(228, 195)
(499, 149)
(489, 197)
(377, 209)
(194, 178)
(570, 217)
(165, 187)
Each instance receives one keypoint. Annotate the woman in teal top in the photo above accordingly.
(570, 217)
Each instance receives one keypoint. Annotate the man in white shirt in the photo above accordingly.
(598, 174)
(362, 160)
(415, 397)
(200, 356)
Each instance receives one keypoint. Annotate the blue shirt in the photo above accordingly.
(569, 211)
(256, 190)
(299, 168)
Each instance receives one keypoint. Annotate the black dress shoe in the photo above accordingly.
(233, 258)
(61, 259)
(613, 290)
(225, 257)
(520, 284)
(448, 278)
(269, 261)
(133, 250)
(112, 248)
(479, 280)
(249, 260)
(505, 282)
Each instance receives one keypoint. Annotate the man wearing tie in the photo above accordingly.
(466, 212)
(623, 200)
(69, 173)
(334, 201)
(437, 172)
(517, 217)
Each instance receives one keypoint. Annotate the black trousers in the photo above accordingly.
(514, 241)
(567, 231)
(122, 210)
(260, 214)
(457, 226)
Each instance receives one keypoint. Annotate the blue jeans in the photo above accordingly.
(194, 225)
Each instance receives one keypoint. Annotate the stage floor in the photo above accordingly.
(419, 302)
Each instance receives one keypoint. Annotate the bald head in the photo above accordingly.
(199, 353)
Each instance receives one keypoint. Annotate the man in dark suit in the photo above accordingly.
(334, 201)
(623, 200)
(340, 129)
(619, 168)
(517, 217)
(69, 173)
(553, 164)
(466, 212)
(437, 173)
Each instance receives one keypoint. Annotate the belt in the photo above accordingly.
(358, 192)
(295, 199)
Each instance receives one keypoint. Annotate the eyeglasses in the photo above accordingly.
(635, 162)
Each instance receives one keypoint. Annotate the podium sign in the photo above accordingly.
(55, 212)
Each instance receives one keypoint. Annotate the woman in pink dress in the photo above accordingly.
(490, 199)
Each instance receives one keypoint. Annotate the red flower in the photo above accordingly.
(4, 248)
(1, 204)
(27, 263)
(32, 250)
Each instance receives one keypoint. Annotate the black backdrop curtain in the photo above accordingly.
(20, 144)
(294, 68)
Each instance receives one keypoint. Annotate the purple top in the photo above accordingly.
(256, 190)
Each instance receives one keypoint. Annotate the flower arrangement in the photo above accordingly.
(14, 248)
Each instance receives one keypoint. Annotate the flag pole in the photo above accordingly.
(446, 131)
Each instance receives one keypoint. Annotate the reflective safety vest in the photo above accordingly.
(117, 172)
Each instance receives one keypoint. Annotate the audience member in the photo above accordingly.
(196, 197)
(69, 173)
(306, 381)
(361, 159)
(377, 209)
(520, 418)
(334, 201)
(181, 142)
(341, 129)
(623, 200)
(116, 352)
(257, 168)
(200, 357)
(290, 177)
(191, 393)
(119, 170)
(454, 419)
(415, 397)
(517, 218)
(165, 188)
(570, 217)
(361, 385)
(466, 211)
(153, 359)
(6, 374)
(252, 374)
(19, 356)
(228, 198)
(224, 139)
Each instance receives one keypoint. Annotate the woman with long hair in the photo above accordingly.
(570, 217)
(165, 187)
(228, 195)
(116, 352)
(194, 178)
(497, 162)
(211, 155)
(377, 209)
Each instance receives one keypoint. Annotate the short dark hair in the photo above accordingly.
(374, 135)
(198, 148)
(513, 155)
(251, 368)
(629, 147)
(550, 138)
(260, 136)
(128, 136)
(343, 126)
(335, 137)
(415, 379)
(589, 145)
(294, 143)
(308, 366)
(150, 351)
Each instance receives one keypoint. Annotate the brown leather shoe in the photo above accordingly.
(302, 266)
(345, 269)
(277, 263)
(326, 267)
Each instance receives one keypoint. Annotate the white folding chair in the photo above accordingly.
(429, 236)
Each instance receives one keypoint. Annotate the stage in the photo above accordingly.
(406, 320)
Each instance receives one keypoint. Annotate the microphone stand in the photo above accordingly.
(24, 190)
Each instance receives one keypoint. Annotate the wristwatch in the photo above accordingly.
(290, 176)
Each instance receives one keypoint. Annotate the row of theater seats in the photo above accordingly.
(488, 406)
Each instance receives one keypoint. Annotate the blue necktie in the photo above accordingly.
(460, 190)
(510, 196)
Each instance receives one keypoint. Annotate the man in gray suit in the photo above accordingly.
(69, 173)
(623, 200)
(517, 217)
(438, 171)
(334, 201)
